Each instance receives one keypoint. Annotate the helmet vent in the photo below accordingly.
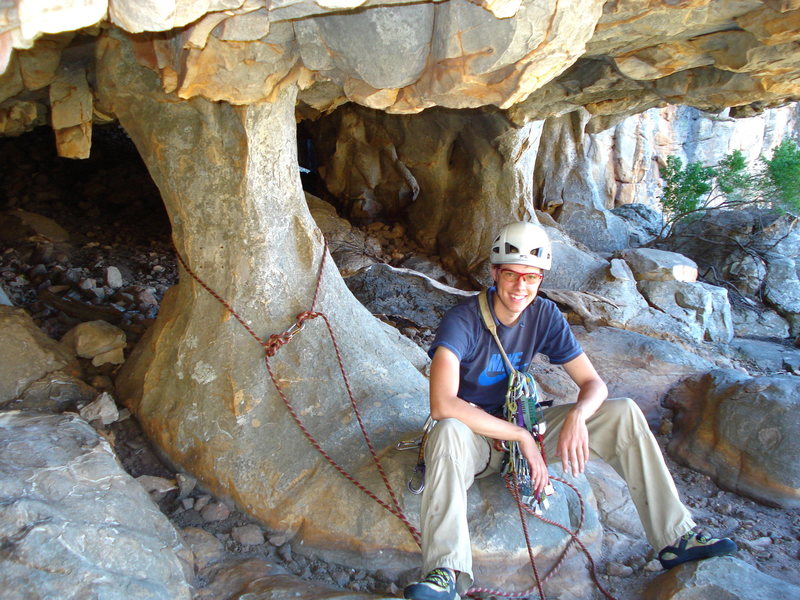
(511, 249)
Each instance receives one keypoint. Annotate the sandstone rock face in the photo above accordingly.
(752, 249)
(386, 290)
(197, 381)
(75, 523)
(26, 354)
(543, 58)
(428, 169)
(637, 366)
(723, 577)
(649, 264)
(225, 398)
(742, 431)
(703, 309)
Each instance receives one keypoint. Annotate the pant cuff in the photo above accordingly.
(464, 578)
(673, 534)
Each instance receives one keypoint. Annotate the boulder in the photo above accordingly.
(99, 340)
(4, 299)
(21, 224)
(27, 354)
(742, 431)
(782, 289)
(763, 356)
(56, 391)
(650, 264)
(206, 548)
(702, 308)
(102, 409)
(574, 265)
(349, 248)
(637, 366)
(751, 321)
(598, 229)
(623, 534)
(490, 497)
(746, 272)
(388, 290)
(610, 298)
(644, 223)
(75, 524)
(751, 249)
(724, 577)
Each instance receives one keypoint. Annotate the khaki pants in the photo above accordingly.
(618, 434)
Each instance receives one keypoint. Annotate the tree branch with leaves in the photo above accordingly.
(691, 191)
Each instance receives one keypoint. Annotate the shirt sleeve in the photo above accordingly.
(559, 344)
(454, 333)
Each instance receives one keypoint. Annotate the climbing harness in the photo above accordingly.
(274, 342)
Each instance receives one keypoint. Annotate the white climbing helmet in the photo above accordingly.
(522, 243)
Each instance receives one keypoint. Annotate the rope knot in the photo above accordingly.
(274, 342)
(306, 315)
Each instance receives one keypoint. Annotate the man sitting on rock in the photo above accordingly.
(467, 393)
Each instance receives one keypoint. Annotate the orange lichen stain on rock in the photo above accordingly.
(751, 477)
(771, 27)
(243, 403)
(144, 51)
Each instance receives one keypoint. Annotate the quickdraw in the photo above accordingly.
(524, 409)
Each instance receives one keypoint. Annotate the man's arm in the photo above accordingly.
(573, 442)
(446, 404)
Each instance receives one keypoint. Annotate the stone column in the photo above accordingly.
(197, 380)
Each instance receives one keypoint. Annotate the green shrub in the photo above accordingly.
(692, 190)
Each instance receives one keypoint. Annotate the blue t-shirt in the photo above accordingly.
(484, 375)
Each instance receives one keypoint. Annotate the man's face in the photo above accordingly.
(516, 289)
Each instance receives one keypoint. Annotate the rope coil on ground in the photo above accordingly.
(276, 341)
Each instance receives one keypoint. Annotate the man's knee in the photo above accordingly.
(625, 411)
(450, 436)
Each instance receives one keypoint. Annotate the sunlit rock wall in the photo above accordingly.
(535, 58)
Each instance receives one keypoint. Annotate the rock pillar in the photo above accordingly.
(197, 381)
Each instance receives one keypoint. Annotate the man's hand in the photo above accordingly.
(573, 443)
(530, 450)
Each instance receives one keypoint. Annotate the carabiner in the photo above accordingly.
(404, 445)
(420, 468)
(294, 330)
